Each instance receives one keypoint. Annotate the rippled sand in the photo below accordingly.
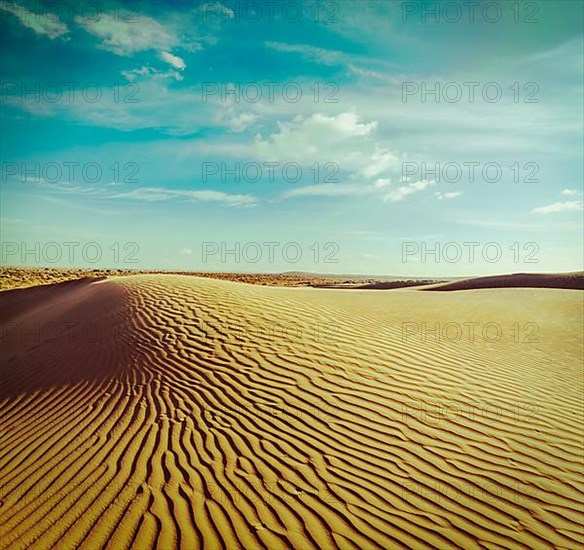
(180, 412)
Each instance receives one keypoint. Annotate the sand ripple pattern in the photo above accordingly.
(211, 414)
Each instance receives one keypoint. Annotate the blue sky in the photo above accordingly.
(161, 128)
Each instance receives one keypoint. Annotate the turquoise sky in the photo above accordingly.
(157, 137)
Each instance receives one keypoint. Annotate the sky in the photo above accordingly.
(393, 138)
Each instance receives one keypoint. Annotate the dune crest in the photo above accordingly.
(179, 412)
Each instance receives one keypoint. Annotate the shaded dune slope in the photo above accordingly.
(197, 413)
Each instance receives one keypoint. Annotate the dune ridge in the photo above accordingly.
(200, 413)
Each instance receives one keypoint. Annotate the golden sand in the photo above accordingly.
(171, 411)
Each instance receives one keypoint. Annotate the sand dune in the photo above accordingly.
(179, 412)
(574, 281)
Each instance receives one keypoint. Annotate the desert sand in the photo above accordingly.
(168, 411)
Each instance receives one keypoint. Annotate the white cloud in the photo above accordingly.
(186, 251)
(142, 71)
(569, 192)
(332, 148)
(448, 195)
(212, 10)
(342, 145)
(402, 192)
(149, 72)
(242, 122)
(173, 60)
(126, 39)
(226, 116)
(40, 23)
(155, 194)
(379, 162)
(567, 206)
(311, 137)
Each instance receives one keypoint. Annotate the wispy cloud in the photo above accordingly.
(354, 64)
(127, 38)
(379, 188)
(40, 23)
(156, 194)
(556, 207)
(310, 53)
